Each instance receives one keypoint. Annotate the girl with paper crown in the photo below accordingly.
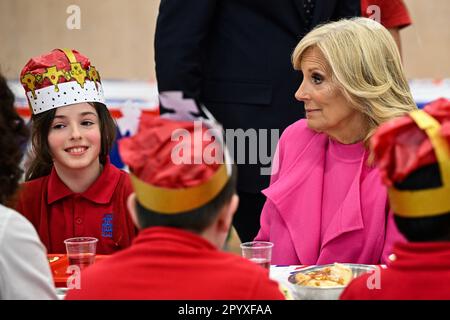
(72, 189)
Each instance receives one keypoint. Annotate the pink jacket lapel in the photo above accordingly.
(301, 211)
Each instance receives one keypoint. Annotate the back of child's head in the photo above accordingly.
(413, 153)
(178, 173)
(432, 228)
(13, 136)
(60, 78)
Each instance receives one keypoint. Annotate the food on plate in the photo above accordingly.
(52, 259)
(330, 276)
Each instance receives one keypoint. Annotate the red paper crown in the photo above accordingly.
(405, 144)
(163, 185)
(59, 78)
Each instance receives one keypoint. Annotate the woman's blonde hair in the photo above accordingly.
(365, 64)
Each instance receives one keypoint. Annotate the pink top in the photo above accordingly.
(341, 166)
(360, 227)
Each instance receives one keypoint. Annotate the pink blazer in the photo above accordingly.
(362, 230)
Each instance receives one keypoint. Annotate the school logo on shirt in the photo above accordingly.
(107, 225)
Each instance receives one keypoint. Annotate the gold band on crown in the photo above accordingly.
(174, 201)
(430, 202)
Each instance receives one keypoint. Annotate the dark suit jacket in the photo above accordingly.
(235, 57)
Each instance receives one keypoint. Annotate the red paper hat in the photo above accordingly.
(169, 171)
(408, 143)
(59, 78)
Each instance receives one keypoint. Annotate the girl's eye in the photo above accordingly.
(58, 126)
(87, 123)
(316, 78)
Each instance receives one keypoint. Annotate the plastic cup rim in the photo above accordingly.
(260, 245)
(86, 240)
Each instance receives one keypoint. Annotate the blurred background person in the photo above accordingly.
(24, 268)
(234, 56)
(413, 154)
(326, 203)
(392, 14)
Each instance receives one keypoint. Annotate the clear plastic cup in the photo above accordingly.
(259, 252)
(81, 251)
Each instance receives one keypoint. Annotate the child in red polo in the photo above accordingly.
(392, 14)
(72, 189)
(184, 202)
(413, 153)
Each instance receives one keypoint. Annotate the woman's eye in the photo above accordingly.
(316, 78)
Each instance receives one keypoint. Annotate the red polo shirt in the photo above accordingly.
(420, 271)
(393, 13)
(58, 213)
(169, 263)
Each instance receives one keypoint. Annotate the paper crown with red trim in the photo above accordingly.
(177, 162)
(59, 78)
(408, 143)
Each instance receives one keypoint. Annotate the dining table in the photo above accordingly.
(59, 265)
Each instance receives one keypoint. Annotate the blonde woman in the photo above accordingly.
(326, 202)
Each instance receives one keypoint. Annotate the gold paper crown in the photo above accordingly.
(174, 201)
(429, 202)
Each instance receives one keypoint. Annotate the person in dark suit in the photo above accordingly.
(234, 56)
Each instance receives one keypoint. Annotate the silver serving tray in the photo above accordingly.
(324, 293)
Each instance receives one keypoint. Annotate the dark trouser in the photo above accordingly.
(246, 219)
